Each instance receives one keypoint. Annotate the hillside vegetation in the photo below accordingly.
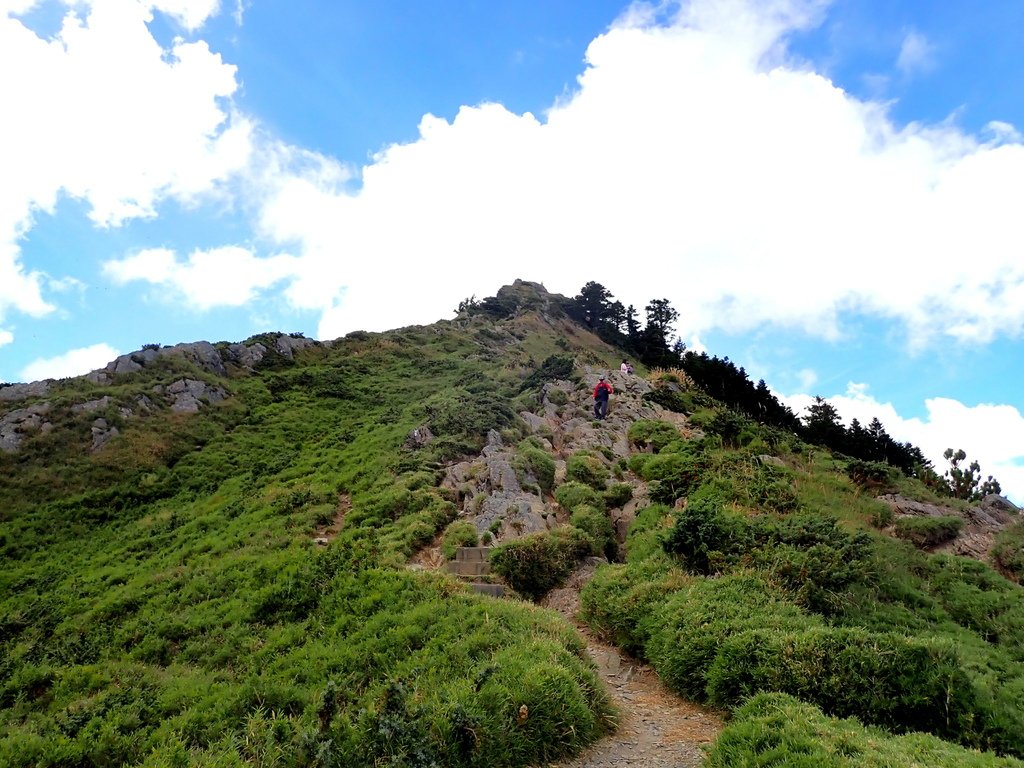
(233, 586)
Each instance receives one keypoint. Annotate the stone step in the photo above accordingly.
(469, 567)
(494, 590)
(472, 554)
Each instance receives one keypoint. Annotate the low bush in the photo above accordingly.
(618, 495)
(772, 490)
(596, 524)
(1008, 552)
(646, 433)
(587, 469)
(707, 539)
(670, 475)
(885, 679)
(535, 564)
(777, 729)
(458, 534)
(538, 463)
(872, 475)
(925, 532)
(570, 495)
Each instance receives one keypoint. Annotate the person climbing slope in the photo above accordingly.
(601, 394)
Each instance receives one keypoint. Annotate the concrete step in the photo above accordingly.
(469, 567)
(494, 590)
(472, 554)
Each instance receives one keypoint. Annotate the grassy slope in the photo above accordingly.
(164, 601)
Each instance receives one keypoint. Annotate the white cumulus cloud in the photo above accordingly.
(74, 362)
(219, 277)
(102, 113)
(917, 55)
(694, 155)
(6, 337)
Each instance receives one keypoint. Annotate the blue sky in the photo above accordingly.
(829, 192)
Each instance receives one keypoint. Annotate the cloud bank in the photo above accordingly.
(103, 114)
(71, 363)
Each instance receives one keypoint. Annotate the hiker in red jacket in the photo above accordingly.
(601, 393)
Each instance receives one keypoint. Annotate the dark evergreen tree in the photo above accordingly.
(822, 425)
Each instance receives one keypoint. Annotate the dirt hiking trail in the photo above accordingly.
(656, 729)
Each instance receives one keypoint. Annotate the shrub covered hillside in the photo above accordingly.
(756, 570)
(165, 601)
(213, 556)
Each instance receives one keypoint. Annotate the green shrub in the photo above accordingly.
(772, 490)
(461, 533)
(587, 469)
(538, 463)
(596, 524)
(570, 495)
(1008, 552)
(645, 433)
(777, 729)
(885, 679)
(535, 564)
(813, 558)
(618, 495)
(928, 531)
(554, 368)
(707, 539)
(872, 475)
(671, 475)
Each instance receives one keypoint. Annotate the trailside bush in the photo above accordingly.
(458, 534)
(706, 538)
(571, 495)
(928, 531)
(538, 463)
(618, 495)
(646, 433)
(671, 475)
(776, 729)
(596, 524)
(687, 630)
(1008, 552)
(587, 469)
(535, 564)
(885, 679)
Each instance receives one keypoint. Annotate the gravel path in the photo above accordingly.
(657, 729)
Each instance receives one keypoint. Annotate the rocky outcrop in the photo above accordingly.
(493, 498)
(15, 424)
(189, 395)
(14, 392)
(982, 522)
(498, 494)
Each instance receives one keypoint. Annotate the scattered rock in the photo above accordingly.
(982, 523)
(21, 421)
(419, 437)
(188, 395)
(92, 405)
(102, 433)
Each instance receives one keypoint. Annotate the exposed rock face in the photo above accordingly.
(419, 437)
(17, 423)
(981, 523)
(189, 395)
(102, 433)
(289, 345)
(502, 497)
(16, 392)
(246, 356)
